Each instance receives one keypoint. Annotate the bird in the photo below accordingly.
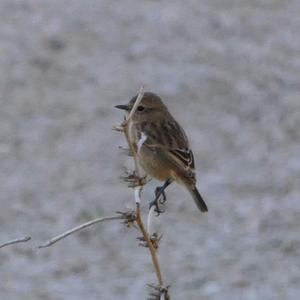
(161, 146)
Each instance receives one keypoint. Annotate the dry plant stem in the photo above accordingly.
(149, 244)
(139, 221)
(124, 126)
(137, 192)
(138, 189)
(78, 228)
(16, 241)
(150, 219)
(136, 104)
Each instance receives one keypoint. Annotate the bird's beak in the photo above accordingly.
(124, 107)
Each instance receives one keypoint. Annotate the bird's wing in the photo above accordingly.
(184, 157)
(169, 139)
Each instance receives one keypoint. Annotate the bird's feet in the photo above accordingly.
(161, 195)
(160, 199)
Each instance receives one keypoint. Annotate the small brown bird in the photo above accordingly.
(161, 146)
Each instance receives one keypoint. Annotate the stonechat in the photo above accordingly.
(161, 146)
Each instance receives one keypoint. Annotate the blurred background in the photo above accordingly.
(228, 70)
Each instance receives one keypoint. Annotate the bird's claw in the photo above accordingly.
(160, 199)
(161, 195)
(156, 203)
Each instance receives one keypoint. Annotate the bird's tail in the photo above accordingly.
(198, 199)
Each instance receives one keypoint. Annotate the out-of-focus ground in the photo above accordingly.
(230, 73)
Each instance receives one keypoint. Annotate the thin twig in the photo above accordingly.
(150, 219)
(124, 126)
(78, 228)
(138, 190)
(146, 236)
(137, 193)
(152, 250)
(136, 104)
(16, 241)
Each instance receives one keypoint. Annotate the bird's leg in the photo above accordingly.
(160, 191)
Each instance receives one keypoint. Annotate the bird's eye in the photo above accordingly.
(140, 108)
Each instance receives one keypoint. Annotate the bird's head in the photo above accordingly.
(149, 105)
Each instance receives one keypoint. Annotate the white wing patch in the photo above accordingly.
(141, 141)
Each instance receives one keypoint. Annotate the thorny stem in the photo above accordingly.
(159, 292)
(136, 104)
(137, 192)
(124, 126)
(149, 220)
(152, 250)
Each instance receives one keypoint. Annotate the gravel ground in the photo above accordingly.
(228, 70)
